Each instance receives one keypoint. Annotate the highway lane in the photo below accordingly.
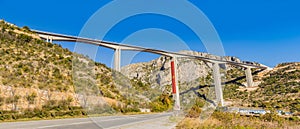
(85, 123)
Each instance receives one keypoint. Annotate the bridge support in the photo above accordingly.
(218, 83)
(117, 59)
(49, 39)
(249, 77)
(175, 88)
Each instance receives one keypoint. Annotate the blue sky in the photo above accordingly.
(264, 31)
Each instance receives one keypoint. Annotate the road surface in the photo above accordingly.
(124, 122)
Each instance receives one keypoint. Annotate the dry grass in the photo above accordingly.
(233, 121)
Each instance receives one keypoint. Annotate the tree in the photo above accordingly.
(26, 29)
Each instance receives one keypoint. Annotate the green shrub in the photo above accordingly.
(24, 38)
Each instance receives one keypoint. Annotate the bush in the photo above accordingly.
(26, 29)
(158, 107)
(25, 38)
(194, 112)
(294, 118)
(131, 109)
(271, 117)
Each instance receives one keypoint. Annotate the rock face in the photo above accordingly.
(192, 74)
(157, 72)
(40, 99)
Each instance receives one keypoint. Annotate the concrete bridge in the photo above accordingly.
(50, 37)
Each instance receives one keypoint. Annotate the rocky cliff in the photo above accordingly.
(157, 72)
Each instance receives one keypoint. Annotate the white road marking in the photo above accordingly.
(50, 126)
(132, 123)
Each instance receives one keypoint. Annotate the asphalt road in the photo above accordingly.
(86, 123)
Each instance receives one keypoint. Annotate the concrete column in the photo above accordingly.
(175, 88)
(117, 60)
(47, 40)
(249, 77)
(51, 39)
(218, 83)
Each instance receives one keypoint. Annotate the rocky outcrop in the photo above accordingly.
(157, 72)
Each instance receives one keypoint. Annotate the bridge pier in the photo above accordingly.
(49, 39)
(249, 77)
(218, 83)
(117, 59)
(175, 88)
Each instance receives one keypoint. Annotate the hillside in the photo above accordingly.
(194, 77)
(274, 89)
(277, 88)
(37, 77)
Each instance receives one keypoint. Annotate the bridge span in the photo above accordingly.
(50, 37)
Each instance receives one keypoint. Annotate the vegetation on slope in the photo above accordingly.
(279, 89)
(36, 78)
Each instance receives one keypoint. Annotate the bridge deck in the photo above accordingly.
(112, 45)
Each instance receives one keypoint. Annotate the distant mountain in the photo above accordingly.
(158, 70)
(194, 76)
